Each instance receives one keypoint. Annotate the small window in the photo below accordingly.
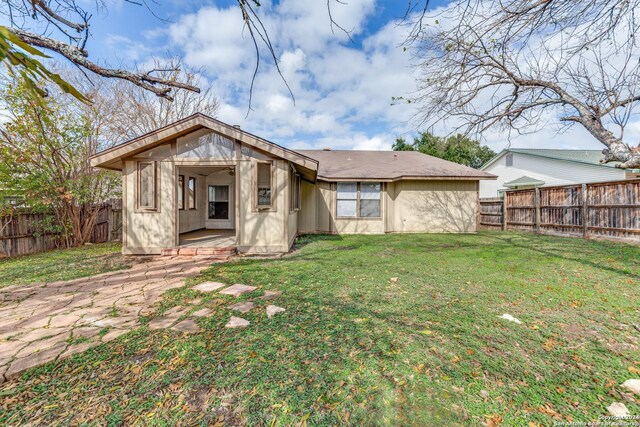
(192, 192)
(146, 185)
(264, 185)
(347, 205)
(509, 159)
(218, 202)
(295, 184)
(181, 192)
(358, 200)
(370, 200)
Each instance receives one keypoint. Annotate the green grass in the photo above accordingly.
(356, 348)
(62, 264)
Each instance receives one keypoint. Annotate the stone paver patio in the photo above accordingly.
(47, 321)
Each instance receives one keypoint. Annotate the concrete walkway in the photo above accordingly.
(47, 321)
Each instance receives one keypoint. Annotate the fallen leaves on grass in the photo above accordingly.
(493, 420)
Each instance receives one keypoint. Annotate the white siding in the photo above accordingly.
(551, 171)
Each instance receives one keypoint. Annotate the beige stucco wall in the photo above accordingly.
(146, 232)
(409, 206)
(433, 206)
(292, 228)
(263, 231)
(260, 231)
(307, 215)
(325, 204)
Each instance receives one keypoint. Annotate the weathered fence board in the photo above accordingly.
(491, 213)
(602, 209)
(23, 233)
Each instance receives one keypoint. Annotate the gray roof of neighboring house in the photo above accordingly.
(524, 180)
(590, 157)
(388, 165)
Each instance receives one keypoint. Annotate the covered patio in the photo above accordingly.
(208, 239)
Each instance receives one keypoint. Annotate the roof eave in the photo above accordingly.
(408, 177)
(106, 158)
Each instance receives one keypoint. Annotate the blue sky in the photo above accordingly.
(343, 89)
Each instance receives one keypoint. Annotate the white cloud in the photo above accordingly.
(342, 90)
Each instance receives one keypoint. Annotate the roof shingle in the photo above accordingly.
(387, 165)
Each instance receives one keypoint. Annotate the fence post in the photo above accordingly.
(504, 211)
(536, 202)
(585, 212)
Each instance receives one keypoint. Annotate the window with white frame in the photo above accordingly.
(369, 200)
(146, 185)
(347, 196)
(264, 184)
(218, 202)
(191, 186)
(358, 200)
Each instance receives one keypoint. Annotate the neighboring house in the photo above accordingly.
(519, 168)
(202, 183)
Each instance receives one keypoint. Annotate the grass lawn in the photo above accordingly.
(62, 264)
(358, 348)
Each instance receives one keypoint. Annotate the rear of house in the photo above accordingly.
(201, 185)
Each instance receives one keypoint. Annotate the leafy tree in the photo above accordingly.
(45, 147)
(457, 148)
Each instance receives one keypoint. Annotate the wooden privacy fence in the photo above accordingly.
(491, 213)
(23, 234)
(602, 209)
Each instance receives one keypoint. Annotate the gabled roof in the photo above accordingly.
(524, 180)
(590, 157)
(338, 165)
(112, 157)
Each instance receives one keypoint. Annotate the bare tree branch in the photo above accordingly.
(517, 65)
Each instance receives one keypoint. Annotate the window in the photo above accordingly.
(509, 159)
(181, 192)
(295, 183)
(370, 199)
(218, 202)
(347, 199)
(361, 200)
(146, 185)
(264, 185)
(192, 192)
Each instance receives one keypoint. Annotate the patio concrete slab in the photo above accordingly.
(238, 289)
(39, 322)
